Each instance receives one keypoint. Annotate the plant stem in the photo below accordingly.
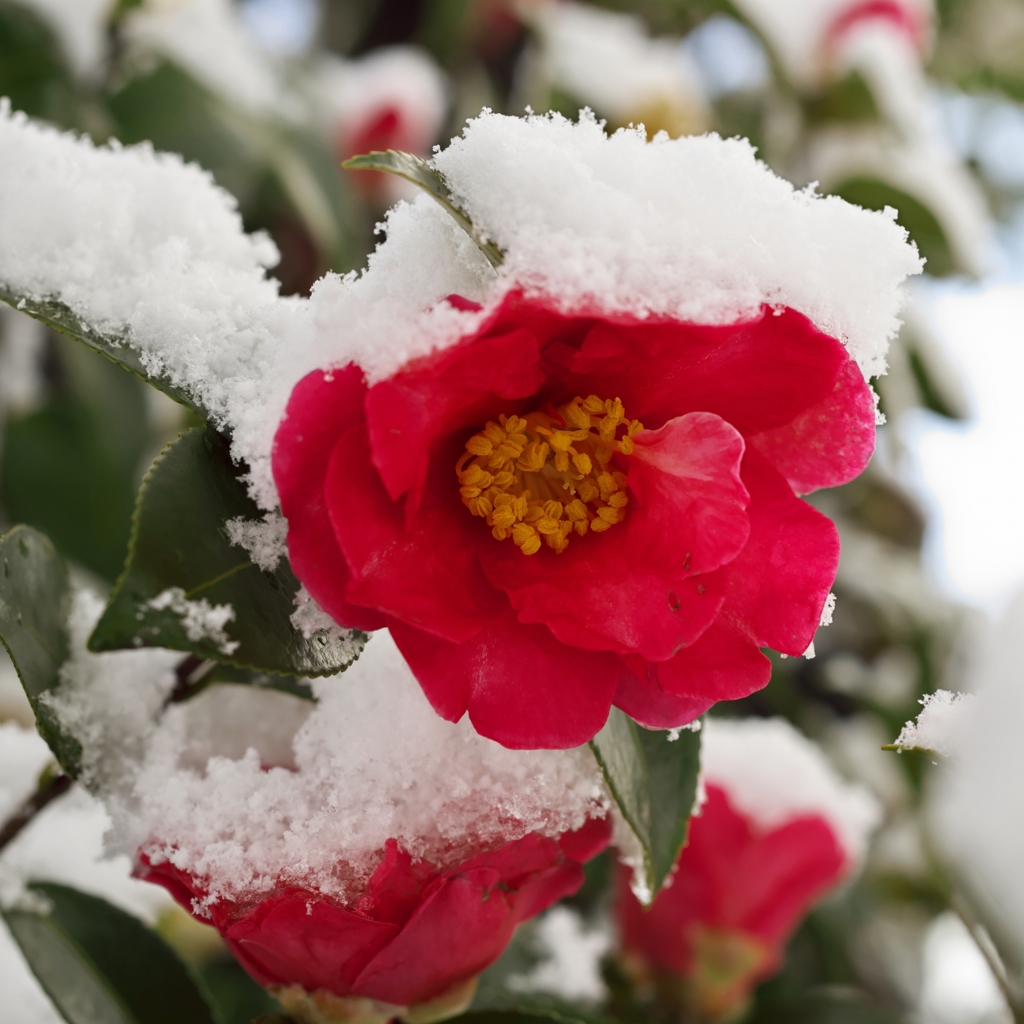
(986, 946)
(191, 672)
(50, 787)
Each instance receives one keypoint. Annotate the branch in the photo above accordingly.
(53, 784)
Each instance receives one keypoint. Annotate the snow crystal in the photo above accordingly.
(693, 227)
(200, 619)
(940, 724)
(309, 618)
(774, 774)
(146, 248)
(264, 539)
(108, 701)
(571, 958)
(251, 788)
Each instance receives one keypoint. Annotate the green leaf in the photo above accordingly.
(653, 779)
(58, 316)
(206, 673)
(420, 173)
(180, 550)
(100, 965)
(70, 468)
(235, 997)
(34, 604)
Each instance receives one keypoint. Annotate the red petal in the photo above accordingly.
(756, 375)
(640, 696)
(780, 876)
(523, 688)
(829, 443)
(724, 664)
(460, 387)
(592, 598)
(397, 883)
(322, 407)
(690, 515)
(588, 840)
(300, 938)
(542, 890)
(426, 574)
(534, 870)
(779, 582)
(457, 931)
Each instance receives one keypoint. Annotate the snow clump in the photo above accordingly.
(149, 250)
(773, 774)
(249, 789)
(940, 724)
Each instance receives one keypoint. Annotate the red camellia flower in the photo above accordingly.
(564, 511)
(737, 894)
(411, 944)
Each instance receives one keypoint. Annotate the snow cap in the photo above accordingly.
(773, 774)
(147, 248)
(247, 789)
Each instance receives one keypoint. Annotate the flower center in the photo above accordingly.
(548, 474)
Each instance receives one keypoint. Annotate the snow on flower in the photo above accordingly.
(581, 497)
(333, 844)
(710, 322)
(778, 830)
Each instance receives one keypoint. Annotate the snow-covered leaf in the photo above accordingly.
(58, 316)
(186, 587)
(34, 605)
(100, 965)
(653, 779)
(420, 173)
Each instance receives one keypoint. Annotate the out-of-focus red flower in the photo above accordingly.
(907, 17)
(416, 935)
(561, 512)
(737, 894)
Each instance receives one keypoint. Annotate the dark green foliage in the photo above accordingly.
(100, 965)
(70, 468)
(179, 540)
(654, 782)
(34, 605)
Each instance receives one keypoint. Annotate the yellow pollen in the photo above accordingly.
(542, 477)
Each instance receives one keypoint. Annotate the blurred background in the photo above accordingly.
(900, 103)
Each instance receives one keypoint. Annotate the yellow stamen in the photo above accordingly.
(542, 477)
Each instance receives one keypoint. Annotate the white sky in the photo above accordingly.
(972, 474)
